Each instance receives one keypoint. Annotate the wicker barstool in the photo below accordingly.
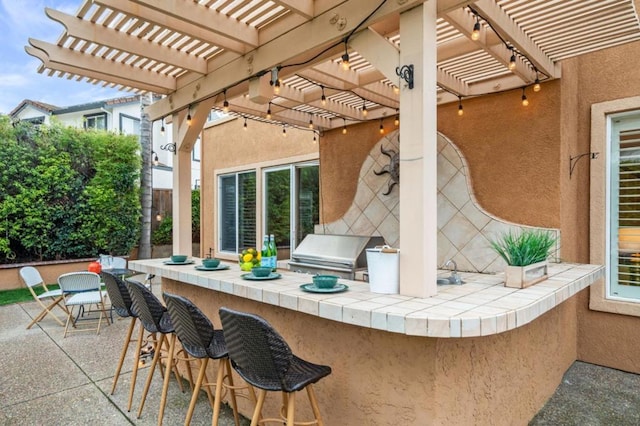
(122, 304)
(201, 340)
(156, 320)
(263, 359)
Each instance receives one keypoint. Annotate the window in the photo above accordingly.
(96, 121)
(292, 204)
(237, 211)
(129, 125)
(624, 207)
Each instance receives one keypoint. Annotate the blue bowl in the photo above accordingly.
(179, 258)
(325, 281)
(261, 271)
(210, 263)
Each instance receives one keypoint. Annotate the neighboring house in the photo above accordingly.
(120, 115)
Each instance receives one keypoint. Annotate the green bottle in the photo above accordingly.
(265, 255)
(273, 253)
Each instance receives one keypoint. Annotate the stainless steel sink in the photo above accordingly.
(442, 281)
(449, 281)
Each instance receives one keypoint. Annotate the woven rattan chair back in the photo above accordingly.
(118, 294)
(258, 353)
(193, 328)
(31, 276)
(149, 309)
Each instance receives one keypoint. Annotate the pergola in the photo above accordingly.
(287, 57)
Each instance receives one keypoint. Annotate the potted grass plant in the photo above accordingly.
(526, 254)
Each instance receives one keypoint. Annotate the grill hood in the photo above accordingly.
(335, 254)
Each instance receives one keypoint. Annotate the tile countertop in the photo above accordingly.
(480, 307)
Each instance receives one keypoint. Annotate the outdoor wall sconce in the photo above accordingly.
(171, 147)
(406, 73)
(574, 160)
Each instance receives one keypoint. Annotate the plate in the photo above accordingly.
(251, 277)
(311, 288)
(188, 262)
(217, 268)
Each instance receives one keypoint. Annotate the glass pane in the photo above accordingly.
(278, 208)
(227, 207)
(308, 213)
(246, 210)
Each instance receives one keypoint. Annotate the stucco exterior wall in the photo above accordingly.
(382, 378)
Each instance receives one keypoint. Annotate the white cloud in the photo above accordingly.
(13, 80)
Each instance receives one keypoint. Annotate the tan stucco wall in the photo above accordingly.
(10, 274)
(382, 378)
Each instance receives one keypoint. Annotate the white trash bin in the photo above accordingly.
(384, 269)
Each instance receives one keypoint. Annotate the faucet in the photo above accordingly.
(454, 278)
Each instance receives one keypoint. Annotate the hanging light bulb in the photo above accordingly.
(460, 108)
(344, 126)
(189, 117)
(512, 60)
(245, 124)
(225, 104)
(345, 58)
(311, 121)
(525, 101)
(276, 87)
(162, 127)
(381, 127)
(284, 131)
(159, 217)
(396, 122)
(323, 99)
(475, 34)
(364, 108)
(536, 86)
(314, 138)
(156, 161)
(269, 111)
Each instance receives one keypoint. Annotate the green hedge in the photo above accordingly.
(66, 193)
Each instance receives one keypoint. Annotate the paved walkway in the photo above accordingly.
(48, 380)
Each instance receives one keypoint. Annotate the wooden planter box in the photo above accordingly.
(525, 276)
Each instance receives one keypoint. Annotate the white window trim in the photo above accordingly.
(600, 113)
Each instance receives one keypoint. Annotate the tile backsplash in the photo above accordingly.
(464, 228)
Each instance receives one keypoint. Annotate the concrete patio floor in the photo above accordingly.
(45, 379)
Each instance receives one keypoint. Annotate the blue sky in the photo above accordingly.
(19, 77)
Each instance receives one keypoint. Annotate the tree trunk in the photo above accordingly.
(146, 178)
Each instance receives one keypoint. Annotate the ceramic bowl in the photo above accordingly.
(261, 271)
(179, 258)
(325, 281)
(210, 263)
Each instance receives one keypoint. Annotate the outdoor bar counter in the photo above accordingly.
(477, 353)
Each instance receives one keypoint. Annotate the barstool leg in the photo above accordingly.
(291, 408)
(156, 356)
(123, 353)
(216, 407)
(165, 385)
(196, 390)
(232, 391)
(314, 404)
(258, 410)
(136, 361)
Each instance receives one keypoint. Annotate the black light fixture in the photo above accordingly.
(381, 127)
(284, 131)
(344, 126)
(275, 80)
(512, 59)
(396, 122)
(364, 108)
(269, 111)
(536, 85)
(156, 161)
(405, 72)
(162, 127)
(475, 34)
(460, 109)
(225, 104)
(323, 98)
(345, 57)
(525, 101)
(245, 124)
(189, 116)
(314, 137)
(171, 147)
(311, 121)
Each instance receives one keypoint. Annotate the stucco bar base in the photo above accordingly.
(381, 377)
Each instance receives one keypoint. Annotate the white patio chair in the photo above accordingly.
(82, 288)
(32, 279)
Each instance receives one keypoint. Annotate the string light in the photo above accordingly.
(276, 87)
(396, 122)
(475, 34)
(525, 101)
(536, 86)
(311, 121)
(284, 131)
(381, 127)
(314, 138)
(269, 111)
(345, 58)
(225, 104)
(162, 127)
(323, 99)
(512, 60)
(156, 161)
(460, 109)
(189, 117)
(344, 126)
(364, 108)
(245, 124)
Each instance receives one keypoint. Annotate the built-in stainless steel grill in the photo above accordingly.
(340, 255)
